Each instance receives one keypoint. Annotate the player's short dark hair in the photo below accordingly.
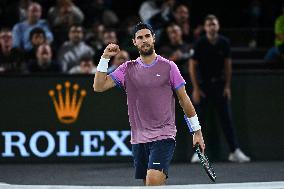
(210, 17)
(141, 26)
(37, 30)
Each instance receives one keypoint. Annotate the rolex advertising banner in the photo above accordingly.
(59, 118)
(46, 119)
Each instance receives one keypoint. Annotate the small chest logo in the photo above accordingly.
(158, 75)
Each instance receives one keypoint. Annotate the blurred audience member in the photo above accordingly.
(126, 35)
(279, 29)
(64, 14)
(37, 38)
(17, 8)
(159, 14)
(148, 9)
(21, 31)
(23, 9)
(71, 51)
(181, 17)
(61, 16)
(198, 32)
(94, 37)
(11, 60)
(275, 57)
(210, 73)
(180, 49)
(86, 66)
(44, 62)
(104, 14)
(98, 11)
(118, 59)
(87, 7)
(160, 20)
(109, 36)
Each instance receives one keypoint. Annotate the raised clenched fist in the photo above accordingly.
(110, 51)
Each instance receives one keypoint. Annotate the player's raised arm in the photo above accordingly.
(102, 81)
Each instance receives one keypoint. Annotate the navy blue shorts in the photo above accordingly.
(153, 155)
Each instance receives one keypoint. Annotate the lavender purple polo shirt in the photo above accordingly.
(150, 98)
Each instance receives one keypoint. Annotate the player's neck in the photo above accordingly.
(148, 59)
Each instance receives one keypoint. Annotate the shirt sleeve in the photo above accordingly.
(176, 79)
(118, 75)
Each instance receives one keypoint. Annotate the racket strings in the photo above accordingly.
(206, 164)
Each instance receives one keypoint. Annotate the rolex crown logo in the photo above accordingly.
(67, 106)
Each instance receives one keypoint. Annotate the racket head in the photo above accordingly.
(204, 161)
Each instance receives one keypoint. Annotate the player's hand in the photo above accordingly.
(227, 93)
(198, 139)
(196, 95)
(110, 51)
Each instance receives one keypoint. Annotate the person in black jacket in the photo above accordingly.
(210, 72)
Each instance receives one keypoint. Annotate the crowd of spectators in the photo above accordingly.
(69, 36)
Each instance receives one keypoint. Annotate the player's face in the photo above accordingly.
(211, 26)
(144, 41)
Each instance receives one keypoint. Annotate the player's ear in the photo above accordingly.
(154, 38)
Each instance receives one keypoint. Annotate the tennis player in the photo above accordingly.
(149, 82)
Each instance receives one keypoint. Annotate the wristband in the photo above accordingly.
(103, 65)
(192, 123)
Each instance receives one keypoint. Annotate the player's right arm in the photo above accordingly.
(102, 81)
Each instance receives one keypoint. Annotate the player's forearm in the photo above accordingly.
(101, 74)
(193, 74)
(190, 114)
(99, 81)
(228, 73)
(187, 107)
(191, 117)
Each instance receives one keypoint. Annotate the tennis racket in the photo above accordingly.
(204, 161)
(202, 156)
